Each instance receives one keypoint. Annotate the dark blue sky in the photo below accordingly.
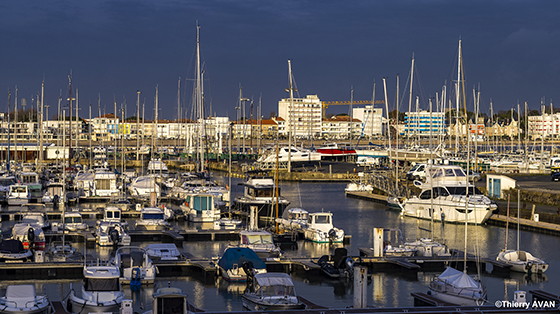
(510, 48)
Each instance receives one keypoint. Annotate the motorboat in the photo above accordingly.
(522, 261)
(111, 233)
(428, 247)
(200, 207)
(53, 193)
(294, 218)
(393, 244)
(456, 287)
(12, 250)
(151, 218)
(227, 223)
(35, 214)
(112, 214)
(158, 168)
(320, 229)
(143, 186)
(261, 242)
(23, 299)
(31, 179)
(444, 198)
(163, 252)
(18, 194)
(101, 292)
(272, 291)
(105, 184)
(334, 150)
(171, 300)
(296, 156)
(260, 192)
(337, 266)
(5, 182)
(31, 235)
(85, 184)
(135, 265)
(73, 221)
(61, 248)
(238, 262)
(395, 203)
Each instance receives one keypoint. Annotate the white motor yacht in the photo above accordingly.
(272, 291)
(261, 242)
(260, 192)
(110, 233)
(522, 261)
(18, 194)
(151, 218)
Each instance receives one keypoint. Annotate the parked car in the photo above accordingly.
(556, 176)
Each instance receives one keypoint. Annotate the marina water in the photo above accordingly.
(357, 218)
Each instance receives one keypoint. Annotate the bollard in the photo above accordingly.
(378, 242)
(360, 287)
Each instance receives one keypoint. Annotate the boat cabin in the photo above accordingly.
(320, 221)
(112, 214)
(260, 187)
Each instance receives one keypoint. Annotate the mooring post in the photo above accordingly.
(360, 287)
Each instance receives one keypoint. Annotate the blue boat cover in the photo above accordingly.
(238, 255)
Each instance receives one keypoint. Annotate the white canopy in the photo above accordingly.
(458, 279)
(274, 279)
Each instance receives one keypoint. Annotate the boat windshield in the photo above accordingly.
(322, 219)
(19, 189)
(278, 291)
(257, 239)
(460, 190)
(113, 214)
(6, 182)
(152, 216)
(95, 284)
(75, 220)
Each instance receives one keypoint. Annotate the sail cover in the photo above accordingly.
(458, 278)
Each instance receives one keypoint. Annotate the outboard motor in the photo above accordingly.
(55, 202)
(248, 267)
(332, 234)
(31, 236)
(114, 234)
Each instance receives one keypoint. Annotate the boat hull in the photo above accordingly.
(257, 304)
(448, 210)
(78, 305)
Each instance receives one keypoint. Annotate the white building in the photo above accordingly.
(372, 120)
(546, 124)
(424, 123)
(304, 117)
(341, 127)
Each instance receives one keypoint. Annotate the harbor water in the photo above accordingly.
(357, 218)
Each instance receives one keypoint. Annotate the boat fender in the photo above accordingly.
(332, 233)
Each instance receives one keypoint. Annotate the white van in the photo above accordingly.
(418, 172)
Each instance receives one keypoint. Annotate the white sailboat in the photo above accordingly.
(521, 261)
(454, 286)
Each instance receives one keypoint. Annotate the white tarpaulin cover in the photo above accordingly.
(20, 294)
(274, 279)
(458, 278)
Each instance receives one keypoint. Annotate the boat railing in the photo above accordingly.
(29, 304)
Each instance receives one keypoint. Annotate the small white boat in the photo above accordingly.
(272, 291)
(110, 233)
(158, 168)
(105, 184)
(320, 229)
(163, 252)
(522, 261)
(236, 262)
(58, 248)
(101, 292)
(261, 242)
(428, 247)
(143, 186)
(18, 194)
(151, 218)
(456, 287)
(35, 214)
(358, 187)
(22, 299)
(393, 244)
(73, 221)
(227, 224)
(135, 265)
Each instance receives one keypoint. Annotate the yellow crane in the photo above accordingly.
(326, 104)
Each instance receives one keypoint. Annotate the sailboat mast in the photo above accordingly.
(290, 116)
(40, 120)
(397, 141)
(388, 123)
(457, 92)
(468, 170)
(410, 93)
(199, 101)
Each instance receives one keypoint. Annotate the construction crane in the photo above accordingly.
(326, 104)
